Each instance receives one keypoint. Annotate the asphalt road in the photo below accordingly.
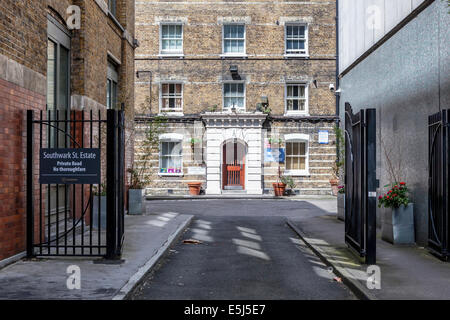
(245, 251)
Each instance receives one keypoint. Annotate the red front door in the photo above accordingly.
(233, 166)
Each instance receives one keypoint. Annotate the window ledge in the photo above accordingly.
(295, 113)
(297, 173)
(170, 174)
(230, 55)
(168, 114)
(292, 55)
(171, 55)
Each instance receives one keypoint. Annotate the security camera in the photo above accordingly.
(331, 87)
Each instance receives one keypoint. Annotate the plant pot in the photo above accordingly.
(334, 186)
(194, 188)
(135, 201)
(95, 212)
(398, 225)
(341, 206)
(279, 189)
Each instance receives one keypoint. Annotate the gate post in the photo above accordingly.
(371, 161)
(111, 184)
(30, 187)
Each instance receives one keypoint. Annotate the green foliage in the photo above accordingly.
(341, 189)
(150, 144)
(102, 191)
(288, 181)
(395, 197)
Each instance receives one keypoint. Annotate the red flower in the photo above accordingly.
(388, 197)
(380, 197)
(402, 183)
(396, 187)
(395, 195)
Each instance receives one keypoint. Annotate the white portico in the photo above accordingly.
(234, 152)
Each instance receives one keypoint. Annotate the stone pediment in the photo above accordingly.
(234, 120)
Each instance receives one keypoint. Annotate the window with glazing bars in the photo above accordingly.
(171, 157)
(234, 39)
(296, 39)
(296, 155)
(172, 97)
(233, 96)
(171, 38)
(295, 98)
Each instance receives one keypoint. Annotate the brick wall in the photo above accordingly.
(14, 101)
(23, 68)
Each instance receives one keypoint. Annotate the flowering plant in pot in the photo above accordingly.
(398, 223)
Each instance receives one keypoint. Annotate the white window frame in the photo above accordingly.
(170, 137)
(296, 55)
(296, 112)
(223, 96)
(171, 54)
(298, 137)
(236, 54)
(177, 112)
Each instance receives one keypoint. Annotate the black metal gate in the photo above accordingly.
(438, 185)
(72, 219)
(360, 182)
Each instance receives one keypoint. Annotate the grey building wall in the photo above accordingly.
(406, 80)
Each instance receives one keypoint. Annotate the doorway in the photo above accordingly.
(233, 165)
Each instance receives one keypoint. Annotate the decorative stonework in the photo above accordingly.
(245, 127)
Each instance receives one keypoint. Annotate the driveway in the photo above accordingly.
(241, 249)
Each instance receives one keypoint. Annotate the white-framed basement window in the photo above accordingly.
(171, 39)
(171, 154)
(233, 43)
(171, 98)
(234, 96)
(297, 154)
(296, 40)
(297, 98)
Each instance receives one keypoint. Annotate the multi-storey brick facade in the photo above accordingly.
(197, 58)
(29, 31)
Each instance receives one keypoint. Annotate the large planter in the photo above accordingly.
(194, 188)
(341, 206)
(279, 188)
(334, 186)
(95, 212)
(135, 201)
(397, 226)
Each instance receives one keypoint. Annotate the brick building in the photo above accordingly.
(47, 62)
(212, 68)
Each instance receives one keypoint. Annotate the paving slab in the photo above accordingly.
(407, 272)
(147, 238)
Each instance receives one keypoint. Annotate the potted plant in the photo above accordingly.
(99, 198)
(341, 203)
(279, 187)
(289, 182)
(194, 188)
(398, 221)
(135, 192)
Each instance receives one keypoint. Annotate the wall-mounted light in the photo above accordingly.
(235, 72)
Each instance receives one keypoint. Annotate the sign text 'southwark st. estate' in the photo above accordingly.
(69, 166)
